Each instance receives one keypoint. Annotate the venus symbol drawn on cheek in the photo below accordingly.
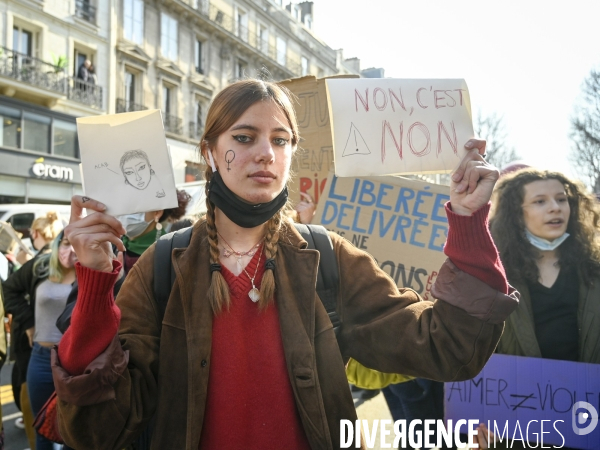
(229, 157)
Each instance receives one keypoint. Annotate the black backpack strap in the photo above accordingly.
(164, 272)
(328, 275)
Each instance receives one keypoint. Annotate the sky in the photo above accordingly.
(524, 60)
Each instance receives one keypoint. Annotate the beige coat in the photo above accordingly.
(147, 370)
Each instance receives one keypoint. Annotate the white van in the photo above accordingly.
(21, 216)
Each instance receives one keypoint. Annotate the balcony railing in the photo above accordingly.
(124, 105)
(31, 70)
(195, 130)
(84, 92)
(41, 74)
(85, 10)
(172, 124)
(241, 32)
(200, 5)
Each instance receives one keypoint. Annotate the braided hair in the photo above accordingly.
(226, 108)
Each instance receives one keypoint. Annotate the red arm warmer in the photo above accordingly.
(470, 246)
(95, 319)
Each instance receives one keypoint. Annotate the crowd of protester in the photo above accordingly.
(544, 226)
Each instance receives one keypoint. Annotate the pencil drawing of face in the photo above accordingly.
(136, 168)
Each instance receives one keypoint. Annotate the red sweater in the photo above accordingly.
(247, 355)
(250, 401)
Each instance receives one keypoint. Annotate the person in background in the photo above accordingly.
(53, 275)
(16, 291)
(92, 77)
(420, 398)
(2, 358)
(183, 223)
(144, 229)
(305, 209)
(545, 226)
(50, 297)
(83, 72)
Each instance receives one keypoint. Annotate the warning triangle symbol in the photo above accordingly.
(355, 145)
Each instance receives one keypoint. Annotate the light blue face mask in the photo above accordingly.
(135, 224)
(544, 244)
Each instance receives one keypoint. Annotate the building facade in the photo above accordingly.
(175, 55)
(172, 55)
(42, 47)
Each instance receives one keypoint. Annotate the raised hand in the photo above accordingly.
(92, 235)
(306, 208)
(473, 181)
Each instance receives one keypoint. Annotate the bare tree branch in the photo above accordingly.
(492, 129)
(585, 132)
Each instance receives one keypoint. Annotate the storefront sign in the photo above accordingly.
(42, 170)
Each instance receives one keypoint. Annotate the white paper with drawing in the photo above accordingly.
(397, 126)
(126, 163)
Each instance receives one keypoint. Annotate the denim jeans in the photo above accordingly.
(40, 387)
(416, 399)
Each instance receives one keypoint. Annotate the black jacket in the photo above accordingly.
(83, 73)
(19, 300)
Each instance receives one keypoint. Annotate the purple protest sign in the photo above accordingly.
(532, 400)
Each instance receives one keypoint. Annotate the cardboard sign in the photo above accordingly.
(314, 158)
(519, 393)
(125, 162)
(9, 238)
(401, 223)
(395, 126)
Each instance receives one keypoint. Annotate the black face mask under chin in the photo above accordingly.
(238, 211)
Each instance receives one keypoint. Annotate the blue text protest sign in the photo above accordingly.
(532, 399)
(401, 222)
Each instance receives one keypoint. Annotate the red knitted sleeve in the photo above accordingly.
(95, 319)
(470, 246)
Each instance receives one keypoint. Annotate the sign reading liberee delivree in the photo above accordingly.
(402, 223)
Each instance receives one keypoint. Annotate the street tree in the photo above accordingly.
(585, 132)
(493, 130)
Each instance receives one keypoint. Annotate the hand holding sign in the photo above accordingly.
(125, 162)
(473, 181)
(92, 235)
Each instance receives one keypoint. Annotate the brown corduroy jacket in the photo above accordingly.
(150, 369)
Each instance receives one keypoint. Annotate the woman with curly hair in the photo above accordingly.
(545, 226)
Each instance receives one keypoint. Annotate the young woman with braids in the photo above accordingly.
(246, 356)
(545, 226)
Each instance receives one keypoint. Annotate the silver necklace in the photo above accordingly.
(254, 293)
(238, 255)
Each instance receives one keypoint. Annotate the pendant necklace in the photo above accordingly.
(254, 293)
(238, 255)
